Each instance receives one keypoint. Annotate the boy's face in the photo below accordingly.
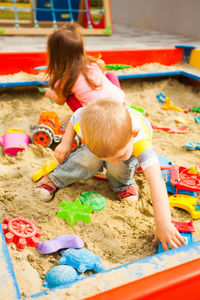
(121, 155)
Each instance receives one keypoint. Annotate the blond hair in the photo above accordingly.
(106, 126)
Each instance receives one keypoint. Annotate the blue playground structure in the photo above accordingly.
(92, 15)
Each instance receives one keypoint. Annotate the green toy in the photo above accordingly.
(1, 31)
(97, 201)
(74, 211)
(117, 66)
(195, 109)
(140, 109)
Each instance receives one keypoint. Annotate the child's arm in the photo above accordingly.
(59, 99)
(101, 65)
(64, 149)
(165, 230)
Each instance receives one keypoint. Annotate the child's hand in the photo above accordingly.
(50, 93)
(168, 235)
(62, 151)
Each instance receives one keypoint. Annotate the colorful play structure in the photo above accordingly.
(174, 274)
(39, 17)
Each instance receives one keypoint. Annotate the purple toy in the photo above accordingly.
(60, 242)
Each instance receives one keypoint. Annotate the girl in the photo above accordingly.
(74, 77)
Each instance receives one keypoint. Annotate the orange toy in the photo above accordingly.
(49, 130)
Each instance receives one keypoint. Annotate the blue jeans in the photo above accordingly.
(83, 164)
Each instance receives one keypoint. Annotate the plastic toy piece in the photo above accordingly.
(172, 130)
(192, 146)
(140, 109)
(97, 201)
(161, 97)
(197, 120)
(60, 275)
(117, 66)
(74, 211)
(195, 109)
(185, 228)
(45, 169)
(14, 140)
(21, 232)
(183, 180)
(182, 120)
(193, 170)
(185, 202)
(49, 130)
(175, 187)
(169, 105)
(60, 242)
(81, 260)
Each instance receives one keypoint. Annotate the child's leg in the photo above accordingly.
(113, 78)
(120, 175)
(81, 164)
(73, 103)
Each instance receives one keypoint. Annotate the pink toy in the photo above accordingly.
(14, 140)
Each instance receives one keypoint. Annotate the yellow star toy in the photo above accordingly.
(186, 202)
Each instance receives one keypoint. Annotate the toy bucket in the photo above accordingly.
(14, 140)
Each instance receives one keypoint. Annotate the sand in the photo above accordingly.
(123, 231)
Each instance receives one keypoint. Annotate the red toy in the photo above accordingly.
(172, 130)
(183, 180)
(21, 232)
(184, 226)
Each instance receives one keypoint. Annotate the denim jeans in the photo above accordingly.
(83, 164)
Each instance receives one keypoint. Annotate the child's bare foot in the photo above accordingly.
(45, 189)
(130, 194)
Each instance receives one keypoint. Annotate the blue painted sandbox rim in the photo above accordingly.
(9, 264)
(121, 77)
(23, 84)
(155, 260)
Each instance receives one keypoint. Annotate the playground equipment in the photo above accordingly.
(164, 276)
(40, 17)
(49, 130)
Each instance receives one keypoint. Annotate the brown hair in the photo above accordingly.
(106, 126)
(66, 58)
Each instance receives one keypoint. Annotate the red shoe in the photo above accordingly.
(130, 193)
(45, 188)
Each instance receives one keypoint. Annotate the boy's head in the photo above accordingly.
(106, 126)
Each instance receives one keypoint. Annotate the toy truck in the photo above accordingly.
(49, 129)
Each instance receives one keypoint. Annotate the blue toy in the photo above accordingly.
(60, 275)
(164, 161)
(188, 238)
(192, 146)
(161, 97)
(81, 260)
(197, 120)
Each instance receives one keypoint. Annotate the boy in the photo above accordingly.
(116, 137)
